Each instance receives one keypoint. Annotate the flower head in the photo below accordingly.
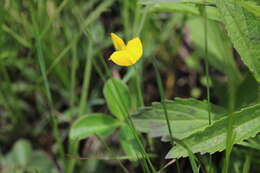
(126, 55)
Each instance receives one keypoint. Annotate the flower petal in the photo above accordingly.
(118, 42)
(122, 58)
(135, 48)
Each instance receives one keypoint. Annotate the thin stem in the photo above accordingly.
(73, 75)
(207, 71)
(162, 95)
(161, 91)
(138, 32)
(230, 133)
(73, 150)
(207, 63)
(139, 88)
(53, 118)
(125, 112)
(86, 81)
(41, 61)
(113, 154)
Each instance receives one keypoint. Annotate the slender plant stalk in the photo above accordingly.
(230, 133)
(207, 71)
(141, 25)
(86, 81)
(125, 16)
(73, 150)
(50, 22)
(73, 75)
(73, 145)
(113, 154)
(246, 166)
(125, 112)
(49, 97)
(207, 63)
(137, 32)
(41, 62)
(162, 96)
(139, 88)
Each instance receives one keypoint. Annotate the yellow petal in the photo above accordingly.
(135, 48)
(118, 42)
(122, 58)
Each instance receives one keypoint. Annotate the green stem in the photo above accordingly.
(162, 95)
(73, 75)
(86, 82)
(207, 62)
(73, 150)
(113, 154)
(207, 71)
(53, 118)
(41, 61)
(127, 117)
(139, 88)
(230, 133)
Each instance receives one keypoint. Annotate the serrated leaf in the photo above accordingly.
(117, 98)
(186, 116)
(243, 28)
(186, 7)
(97, 123)
(213, 138)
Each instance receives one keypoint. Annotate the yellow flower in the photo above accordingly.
(126, 55)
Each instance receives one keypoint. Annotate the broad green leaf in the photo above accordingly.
(183, 7)
(243, 28)
(219, 47)
(186, 116)
(128, 142)
(97, 123)
(213, 138)
(117, 97)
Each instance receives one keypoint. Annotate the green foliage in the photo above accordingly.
(54, 68)
(212, 139)
(117, 98)
(22, 158)
(128, 143)
(187, 116)
(219, 47)
(247, 96)
(251, 6)
(244, 31)
(99, 124)
(188, 7)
